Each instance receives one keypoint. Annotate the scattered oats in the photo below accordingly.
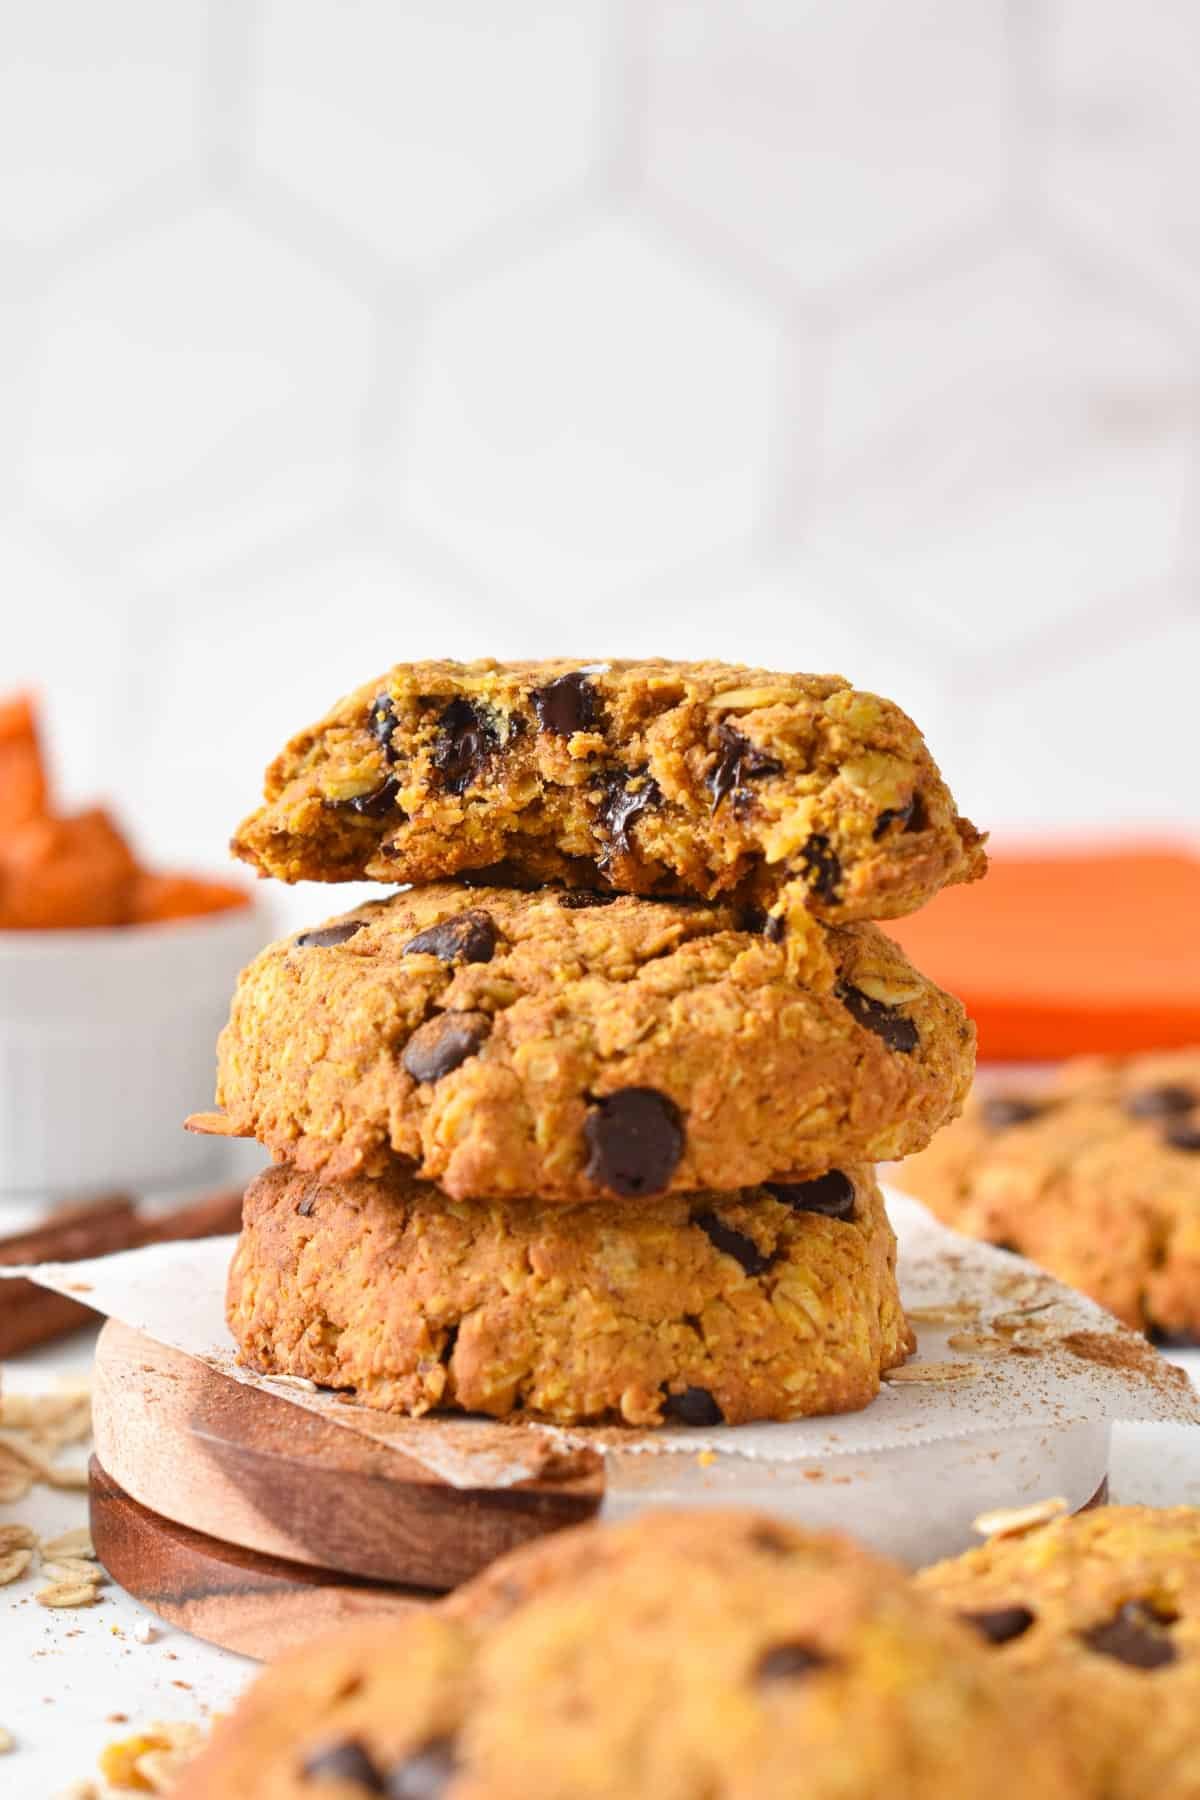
(1022, 1318)
(14, 1565)
(17, 1537)
(7, 1741)
(153, 1760)
(70, 1543)
(16, 1411)
(292, 1381)
(959, 1313)
(70, 1593)
(1011, 1521)
(144, 1632)
(933, 1372)
(980, 1341)
(62, 1475)
(14, 1485)
(72, 1568)
(80, 1790)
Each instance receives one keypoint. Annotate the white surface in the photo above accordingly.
(106, 1045)
(847, 336)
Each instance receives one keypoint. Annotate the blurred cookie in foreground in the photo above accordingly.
(1096, 1177)
(76, 871)
(1102, 1611)
(685, 1656)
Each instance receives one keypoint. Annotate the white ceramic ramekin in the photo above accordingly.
(107, 1042)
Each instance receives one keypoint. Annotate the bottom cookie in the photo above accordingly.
(768, 1303)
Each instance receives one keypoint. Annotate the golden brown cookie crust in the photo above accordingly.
(693, 1310)
(1096, 1177)
(1103, 1611)
(708, 779)
(498, 1052)
(710, 1655)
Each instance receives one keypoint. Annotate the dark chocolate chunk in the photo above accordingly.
(566, 705)
(344, 1761)
(744, 1251)
(831, 1195)
(1000, 1624)
(466, 738)
(913, 816)
(1162, 1102)
(738, 760)
(578, 899)
(695, 1406)
(1001, 1110)
(822, 867)
(775, 929)
(1182, 1136)
(443, 1042)
(469, 937)
(426, 1774)
(897, 1032)
(376, 805)
(1174, 1340)
(789, 1662)
(308, 1205)
(328, 935)
(635, 1140)
(383, 726)
(1134, 1636)
(620, 806)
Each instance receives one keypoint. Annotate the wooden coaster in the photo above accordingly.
(256, 1605)
(254, 1471)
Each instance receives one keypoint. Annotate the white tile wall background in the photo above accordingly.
(828, 333)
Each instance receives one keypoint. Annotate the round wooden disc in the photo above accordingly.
(257, 1472)
(256, 1605)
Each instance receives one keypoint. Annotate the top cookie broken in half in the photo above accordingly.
(644, 777)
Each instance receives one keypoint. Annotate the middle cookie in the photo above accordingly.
(574, 1046)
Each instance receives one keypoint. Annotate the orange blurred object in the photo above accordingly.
(22, 772)
(77, 871)
(1089, 950)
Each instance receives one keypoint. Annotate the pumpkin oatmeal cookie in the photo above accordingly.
(1096, 1177)
(788, 792)
(574, 1045)
(704, 1655)
(771, 1303)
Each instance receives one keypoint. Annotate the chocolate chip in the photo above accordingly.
(376, 805)
(328, 935)
(775, 929)
(744, 1251)
(1174, 1340)
(466, 737)
(789, 1662)
(469, 937)
(308, 1205)
(1182, 1136)
(346, 1760)
(1000, 1624)
(695, 1406)
(566, 705)
(425, 1774)
(737, 761)
(1133, 1636)
(383, 726)
(1160, 1102)
(914, 816)
(822, 867)
(830, 1195)
(635, 1141)
(1001, 1110)
(444, 1042)
(576, 899)
(897, 1032)
(620, 806)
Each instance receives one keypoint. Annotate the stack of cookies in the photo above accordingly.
(582, 1123)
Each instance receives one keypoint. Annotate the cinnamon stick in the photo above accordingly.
(31, 1315)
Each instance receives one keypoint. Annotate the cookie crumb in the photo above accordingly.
(1012, 1521)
